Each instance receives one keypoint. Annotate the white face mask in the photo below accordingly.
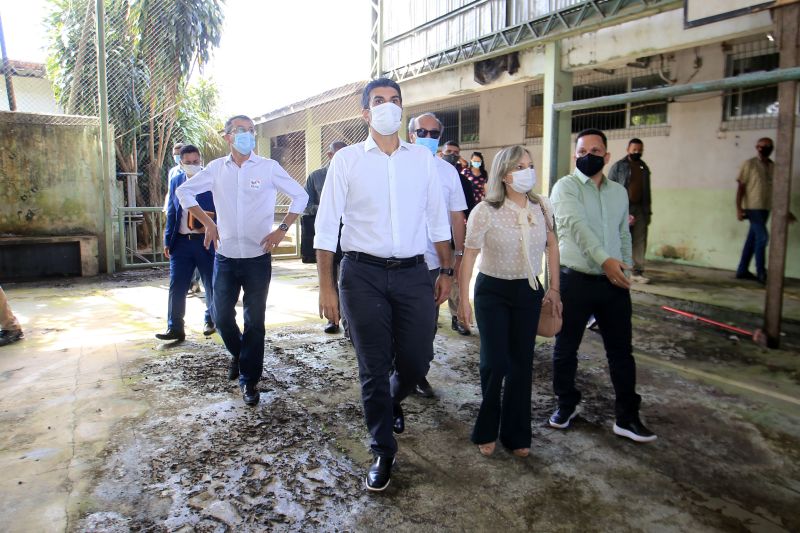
(524, 180)
(191, 170)
(385, 118)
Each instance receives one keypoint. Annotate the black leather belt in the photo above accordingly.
(391, 262)
(191, 236)
(577, 273)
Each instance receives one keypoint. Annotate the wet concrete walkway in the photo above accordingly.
(104, 429)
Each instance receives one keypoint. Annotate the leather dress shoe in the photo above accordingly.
(250, 394)
(8, 336)
(379, 474)
(424, 388)
(171, 335)
(209, 329)
(233, 368)
(459, 327)
(398, 420)
(330, 327)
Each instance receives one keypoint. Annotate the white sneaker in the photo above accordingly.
(638, 278)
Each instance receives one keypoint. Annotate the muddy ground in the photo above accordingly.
(727, 457)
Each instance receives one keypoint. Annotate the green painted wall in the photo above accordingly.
(50, 176)
(699, 227)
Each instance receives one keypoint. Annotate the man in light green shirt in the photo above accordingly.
(595, 246)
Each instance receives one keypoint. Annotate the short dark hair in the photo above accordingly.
(593, 131)
(635, 140)
(336, 146)
(380, 82)
(453, 143)
(235, 117)
(189, 149)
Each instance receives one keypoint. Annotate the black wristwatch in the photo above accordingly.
(284, 226)
(447, 271)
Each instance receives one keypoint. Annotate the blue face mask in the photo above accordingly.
(427, 142)
(244, 142)
(476, 164)
(177, 159)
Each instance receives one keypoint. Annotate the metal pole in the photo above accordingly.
(754, 79)
(12, 99)
(105, 138)
(787, 19)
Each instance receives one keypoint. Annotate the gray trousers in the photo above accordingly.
(638, 237)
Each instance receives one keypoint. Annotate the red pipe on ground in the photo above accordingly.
(708, 321)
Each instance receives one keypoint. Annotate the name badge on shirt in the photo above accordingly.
(255, 184)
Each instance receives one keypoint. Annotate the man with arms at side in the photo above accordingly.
(183, 246)
(245, 188)
(595, 247)
(633, 173)
(426, 130)
(387, 194)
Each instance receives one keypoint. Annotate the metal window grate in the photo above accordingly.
(757, 107)
(534, 112)
(461, 119)
(642, 119)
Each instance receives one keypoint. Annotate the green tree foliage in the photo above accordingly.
(152, 48)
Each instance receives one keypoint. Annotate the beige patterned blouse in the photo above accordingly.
(498, 234)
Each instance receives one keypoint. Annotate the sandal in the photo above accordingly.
(486, 449)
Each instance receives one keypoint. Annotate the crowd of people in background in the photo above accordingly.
(396, 228)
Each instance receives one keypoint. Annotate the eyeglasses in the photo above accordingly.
(433, 134)
(242, 129)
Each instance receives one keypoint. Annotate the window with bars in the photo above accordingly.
(534, 114)
(621, 116)
(461, 120)
(754, 107)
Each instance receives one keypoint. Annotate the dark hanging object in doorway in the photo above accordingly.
(488, 70)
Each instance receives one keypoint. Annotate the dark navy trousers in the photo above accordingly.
(756, 243)
(185, 255)
(389, 312)
(251, 276)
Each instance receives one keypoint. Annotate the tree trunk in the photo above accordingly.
(77, 71)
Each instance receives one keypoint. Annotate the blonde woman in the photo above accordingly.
(511, 228)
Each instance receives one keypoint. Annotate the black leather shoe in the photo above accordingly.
(398, 420)
(424, 388)
(331, 328)
(209, 329)
(634, 430)
(380, 473)
(8, 336)
(562, 417)
(457, 326)
(233, 368)
(171, 335)
(250, 394)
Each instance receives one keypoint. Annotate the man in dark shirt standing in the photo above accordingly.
(633, 173)
(314, 185)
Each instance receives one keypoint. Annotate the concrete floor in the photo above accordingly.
(105, 429)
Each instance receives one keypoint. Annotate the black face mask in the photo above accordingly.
(635, 156)
(590, 164)
(765, 150)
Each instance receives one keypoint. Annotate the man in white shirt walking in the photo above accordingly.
(426, 130)
(388, 197)
(245, 187)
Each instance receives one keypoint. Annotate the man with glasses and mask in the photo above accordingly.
(426, 130)
(591, 214)
(183, 246)
(245, 188)
(388, 196)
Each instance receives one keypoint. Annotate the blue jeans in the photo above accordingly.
(250, 275)
(756, 243)
(186, 256)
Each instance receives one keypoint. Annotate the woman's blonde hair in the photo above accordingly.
(503, 163)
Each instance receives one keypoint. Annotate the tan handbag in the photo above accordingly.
(549, 325)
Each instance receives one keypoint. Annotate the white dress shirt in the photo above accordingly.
(244, 198)
(454, 200)
(390, 204)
